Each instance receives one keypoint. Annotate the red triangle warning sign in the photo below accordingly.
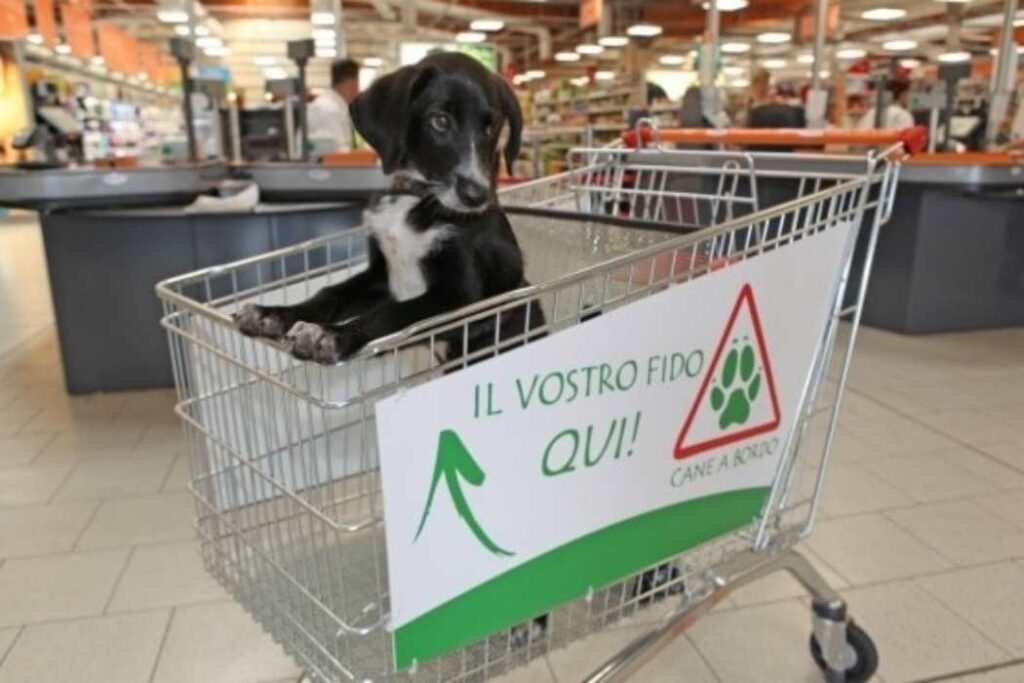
(737, 398)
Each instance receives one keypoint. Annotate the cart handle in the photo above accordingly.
(913, 139)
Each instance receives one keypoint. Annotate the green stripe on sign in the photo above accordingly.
(567, 572)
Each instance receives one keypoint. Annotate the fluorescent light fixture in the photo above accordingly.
(883, 14)
(181, 30)
(470, 37)
(373, 62)
(62, 49)
(275, 73)
(955, 57)
(850, 53)
(740, 83)
(671, 60)
(172, 16)
(579, 81)
(899, 45)
(202, 30)
(604, 75)
(324, 42)
(264, 60)
(733, 70)
(735, 48)
(535, 73)
(806, 58)
(589, 49)
(728, 5)
(910, 63)
(323, 33)
(209, 41)
(486, 25)
(773, 38)
(35, 39)
(217, 51)
(644, 30)
(774, 63)
(613, 41)
(567, 57)
(519, 79)
(326, 52)
(322, 18)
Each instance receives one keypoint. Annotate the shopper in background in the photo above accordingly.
(770, 109)
(328, 114)
(897, 114)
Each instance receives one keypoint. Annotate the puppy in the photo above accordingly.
(439, 240)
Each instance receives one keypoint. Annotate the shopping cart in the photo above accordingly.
(284, 455)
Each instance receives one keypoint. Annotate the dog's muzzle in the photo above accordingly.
(471, 193)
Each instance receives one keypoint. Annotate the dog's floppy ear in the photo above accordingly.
(381, 113)
(514, 116)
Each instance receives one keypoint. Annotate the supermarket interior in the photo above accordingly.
(301, 300)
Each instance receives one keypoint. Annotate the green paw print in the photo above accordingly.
(740, 384)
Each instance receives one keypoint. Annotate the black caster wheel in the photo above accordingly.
(860, 651)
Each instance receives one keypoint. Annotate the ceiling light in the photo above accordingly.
(209, 41)
(773, 38)
(850, 53)
(326, 52)
(264, 60)
(728, 5)
(322, 18)
(733, 70)
(535, 73)
(579, 81)
(202, 30)
(735, 48)
(35, 39)
(323, 33)
(671, 60)
(373, 62)
(567, 57)
(604, 75)
(774, 63)
(899, 45)
(470, 37)
(589, 49)
(910, 63)
(955, 57)
(883, 14)
(613, 41)
(644, 30)
(181, 30)
(740, 83)
(217, 51)
(62, 49)
(172, 16)
(806, 58)
(97, 61)
(324, 42)
(275, 73)
(486, 25)
(519, 79)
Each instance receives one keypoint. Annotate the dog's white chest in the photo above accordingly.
(404, 248)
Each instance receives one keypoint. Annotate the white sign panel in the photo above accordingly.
(523, 481)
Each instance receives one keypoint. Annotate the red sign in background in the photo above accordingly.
(13, 19)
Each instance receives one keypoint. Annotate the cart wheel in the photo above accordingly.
(861, 652)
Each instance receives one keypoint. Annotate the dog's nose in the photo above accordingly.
(470, 193)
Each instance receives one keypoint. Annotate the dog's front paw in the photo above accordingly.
(328, 346)
(261, 321)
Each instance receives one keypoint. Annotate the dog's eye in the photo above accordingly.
(441, 123)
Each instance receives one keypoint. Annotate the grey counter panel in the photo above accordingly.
(103, 266)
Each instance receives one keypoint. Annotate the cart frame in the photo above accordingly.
(297, 535)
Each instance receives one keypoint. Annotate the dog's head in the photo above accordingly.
(438, 122)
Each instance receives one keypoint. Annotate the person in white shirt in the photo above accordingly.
(328, 114)
(896, 114)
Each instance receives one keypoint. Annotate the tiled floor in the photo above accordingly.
(922, 529)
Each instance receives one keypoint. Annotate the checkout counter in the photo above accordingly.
(111, 234)
(952, 256)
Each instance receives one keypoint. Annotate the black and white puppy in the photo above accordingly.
(439, 240)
